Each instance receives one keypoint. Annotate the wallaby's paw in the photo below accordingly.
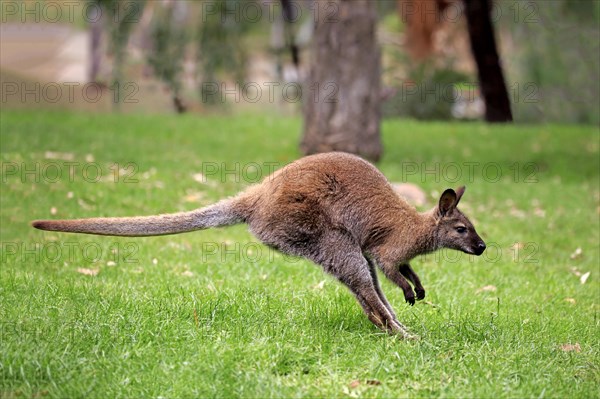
(420, 294)
(410, 298)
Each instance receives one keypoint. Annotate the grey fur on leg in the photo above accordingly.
(345, 261)
(373, 272)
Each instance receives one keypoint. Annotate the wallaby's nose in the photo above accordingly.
(480, 247)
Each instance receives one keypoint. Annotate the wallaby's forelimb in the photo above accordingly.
(220, 214)
(411, 276)
(393, 273)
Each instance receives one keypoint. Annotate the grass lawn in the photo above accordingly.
(215, 314)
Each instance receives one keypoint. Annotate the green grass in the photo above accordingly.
(215, 314)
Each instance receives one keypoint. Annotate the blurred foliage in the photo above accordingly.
(429, 96)
(555, 65)
(119, 17)
(220, 43)
(550, 51)
(168, 40)
(550, 54)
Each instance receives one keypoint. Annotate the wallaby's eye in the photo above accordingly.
(461, 229)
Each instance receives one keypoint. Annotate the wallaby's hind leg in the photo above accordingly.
(411, 276)
(342, 258)
(373, 272)
(364, 290)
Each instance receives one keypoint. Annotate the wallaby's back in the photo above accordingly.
(296, 203)
(322, 192)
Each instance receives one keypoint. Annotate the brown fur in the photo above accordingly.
(335, 209)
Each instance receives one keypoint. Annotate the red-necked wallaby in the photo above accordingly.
(335, 209)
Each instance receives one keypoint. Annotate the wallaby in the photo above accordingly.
(335, 209)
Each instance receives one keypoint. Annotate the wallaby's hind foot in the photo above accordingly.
(410, 337)
(400, 330)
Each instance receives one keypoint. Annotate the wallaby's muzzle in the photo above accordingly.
(479, 248)
(474, 246)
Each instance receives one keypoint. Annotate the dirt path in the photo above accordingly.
(43, 52)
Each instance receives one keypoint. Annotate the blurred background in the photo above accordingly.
(228, 55)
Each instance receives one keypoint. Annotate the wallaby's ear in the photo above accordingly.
(448, 201)
(459, 193)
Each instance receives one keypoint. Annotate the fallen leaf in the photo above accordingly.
(571, 348)
(196, 318)
(354, 384)
(430, 304)
(575, 271)
(110, 263)
(487, 288)
(373, 382)
(70, 194)
(149, 173)
(517, 246)
(517, 213)
(53, 210)
(576, 254)
(320, 285)
(199, 177)
(88, 272)
(84, 204)
(584, 277)
(65, 156)
(193, 197)
(155, 261)
(89, 158)
(571, 300)
(187, 273)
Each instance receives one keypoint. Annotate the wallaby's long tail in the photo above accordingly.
(222, 213)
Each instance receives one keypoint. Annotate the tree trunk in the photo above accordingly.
(95, 49)
(483, 47)
(342, 93)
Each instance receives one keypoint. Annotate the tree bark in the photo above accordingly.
(489, 70)
(95, 49)
(342, 93)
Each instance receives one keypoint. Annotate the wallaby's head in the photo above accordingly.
(454, 230)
